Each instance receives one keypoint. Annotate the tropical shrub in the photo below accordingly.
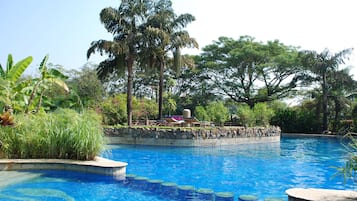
(113, 110)
(63, 134)
(354, 118)
(296, 120)
(262, 114)
(217, 112)
(201, 113)
(49, 76)
(246, 116)
(11, 87)
(144, 109)
(169, 106)
(286, 119)
(349, 171)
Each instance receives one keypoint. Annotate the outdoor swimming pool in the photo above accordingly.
(264, 170)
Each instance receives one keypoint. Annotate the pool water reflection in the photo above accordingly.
(265, 170)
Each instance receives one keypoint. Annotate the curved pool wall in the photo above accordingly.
(192, 137)
(97, 166)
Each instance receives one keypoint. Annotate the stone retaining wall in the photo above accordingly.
(192, 136)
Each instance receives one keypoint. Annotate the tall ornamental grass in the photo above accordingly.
(63, 134)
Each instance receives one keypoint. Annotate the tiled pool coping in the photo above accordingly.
(98, 166)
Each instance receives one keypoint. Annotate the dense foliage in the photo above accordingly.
(63, 134)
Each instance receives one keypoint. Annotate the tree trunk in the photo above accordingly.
(32, 96)
(129, 96)
(337, 114)
(40, 101)
(161, 87)
(324, 103)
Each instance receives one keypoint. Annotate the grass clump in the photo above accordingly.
(63, 134)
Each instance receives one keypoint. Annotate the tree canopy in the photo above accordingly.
(251, 72)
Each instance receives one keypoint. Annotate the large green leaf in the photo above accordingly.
(43, 65)
(56, 74)
(58, 82)
(17, 70)
(9, 63)
(2, 72)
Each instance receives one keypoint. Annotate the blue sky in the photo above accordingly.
(64, 29)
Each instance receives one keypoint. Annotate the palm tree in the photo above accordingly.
(126, 25)
(165, 34)
(342, 86)
(320, 65)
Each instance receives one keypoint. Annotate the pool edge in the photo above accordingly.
(317, 194)
(98, 166)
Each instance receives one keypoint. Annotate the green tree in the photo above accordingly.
(319, 66)
(354, 117)
(170, 105)
(87, 85)
(113, 110)
(166, 34)
(201, 113)
(246, 116)
(286, 119)
(262, 114)
(144, 109)
(251, 72)
(217, 112)
(127, 25)
(342, 88)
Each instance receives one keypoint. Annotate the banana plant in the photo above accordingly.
(10, 85)
(48, 76)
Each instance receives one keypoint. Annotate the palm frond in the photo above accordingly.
(110, 17)
(183, 20)
(111, 66)
(112, 48)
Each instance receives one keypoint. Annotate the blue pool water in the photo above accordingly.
(264, 170)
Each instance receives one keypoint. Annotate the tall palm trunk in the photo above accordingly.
(161, 86)
(129, 96)
(324, 103)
